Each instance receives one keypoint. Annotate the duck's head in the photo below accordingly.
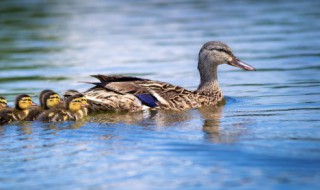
(51, 99)
(41, 96)
(76, 102)
(23, 102)
(3, 103)
(216, 53)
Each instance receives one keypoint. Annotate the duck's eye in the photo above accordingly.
(77, 101)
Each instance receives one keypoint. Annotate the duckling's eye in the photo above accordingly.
(77, 101)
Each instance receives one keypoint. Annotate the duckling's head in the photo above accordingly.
(51, 99)
(69, 93)
(216, 53)
(23, 102)
(3, 103)
(41, 96)
(76, 102)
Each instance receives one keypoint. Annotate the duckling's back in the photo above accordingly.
(55, 115)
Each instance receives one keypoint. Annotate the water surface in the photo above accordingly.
(267, 136)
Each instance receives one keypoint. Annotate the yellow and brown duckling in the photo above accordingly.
(72, 92)
(48, 100)
(3, 103)
(19, 112)
(71, 111)
(41, 96)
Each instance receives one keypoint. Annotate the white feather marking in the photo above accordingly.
(159, 98)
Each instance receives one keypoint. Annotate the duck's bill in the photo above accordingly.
(238, 63)
(34, 104)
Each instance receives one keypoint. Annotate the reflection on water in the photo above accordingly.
(265, 136)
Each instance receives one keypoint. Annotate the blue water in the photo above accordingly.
(267, 136)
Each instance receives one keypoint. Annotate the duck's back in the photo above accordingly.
(134, 94)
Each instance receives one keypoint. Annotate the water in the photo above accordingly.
(267, 136)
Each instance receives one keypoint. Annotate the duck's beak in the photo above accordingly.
(34, 104)
(238, 63)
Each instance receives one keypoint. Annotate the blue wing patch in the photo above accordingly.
(148, 100)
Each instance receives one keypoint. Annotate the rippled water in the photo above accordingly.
(267, 136)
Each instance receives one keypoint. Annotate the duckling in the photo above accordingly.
(48, 100)
(71, 111)
(41, 101)
(3, 103)
(72, 92)
(19, 113)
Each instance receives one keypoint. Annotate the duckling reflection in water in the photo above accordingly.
(71, 111)
(48, 100)
(3, 103)
(19, 112)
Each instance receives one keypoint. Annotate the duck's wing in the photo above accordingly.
(149, 92)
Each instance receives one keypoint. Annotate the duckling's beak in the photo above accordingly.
(34, 104)
(85, 105)
(238, 63)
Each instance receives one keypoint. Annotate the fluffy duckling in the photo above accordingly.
(41, 96)
(3, 103)
(71, 111)
(69, 93)
(19, 112)
(48, 100)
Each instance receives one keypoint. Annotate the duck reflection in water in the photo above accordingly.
(217, 131)
(214, 129)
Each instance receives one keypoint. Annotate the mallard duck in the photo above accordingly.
(48, 100)
(71, 110)
(19, 112)
(72, 92)
(127, 93)
(3, 103)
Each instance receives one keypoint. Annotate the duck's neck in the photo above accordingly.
(209, 85)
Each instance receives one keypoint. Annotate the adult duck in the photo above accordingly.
(125, 93)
